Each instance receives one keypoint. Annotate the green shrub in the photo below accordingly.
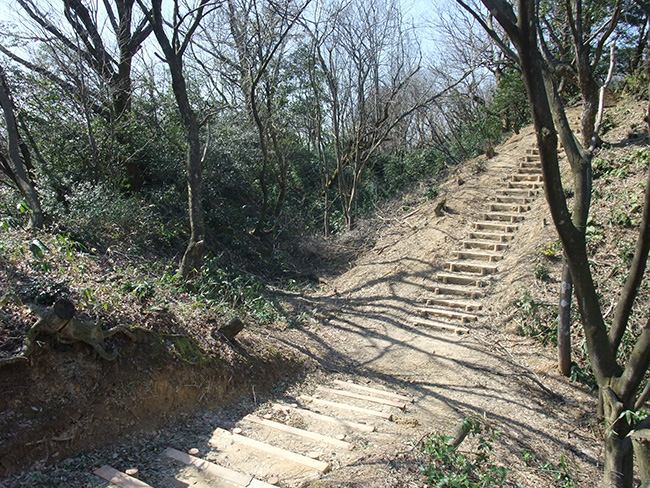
(448, 467)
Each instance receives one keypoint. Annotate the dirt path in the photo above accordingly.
(507, 379)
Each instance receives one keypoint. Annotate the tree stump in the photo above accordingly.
(234, 327)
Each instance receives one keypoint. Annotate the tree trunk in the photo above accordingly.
(564, 321)
(17, 166)
(641, 446)
(619, 466)
(193, 257)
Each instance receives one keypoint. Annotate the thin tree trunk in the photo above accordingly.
(21, 176)
(564, 321)
(193, 257)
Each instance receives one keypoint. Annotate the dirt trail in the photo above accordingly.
(507, 379)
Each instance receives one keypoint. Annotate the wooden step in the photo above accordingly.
(517, 192)
(346, 406)
(117, 478)
(492, 226)
(450, 314)
(345, 424)
(451, 303)
(458, 291)
(508, 207)
(367, 398)
(530, 165)
(226, 474)
(527, 177)
(513, 200)
(461, 279)
(534, 170)
(320, 466)
(533, 151)
(439, 325)
(389, 394)
(524, 185)
(503, 217)
(306, 434)
(477, 255)
(477, 267)
(500, 237)
(532, 157)
(483, 244)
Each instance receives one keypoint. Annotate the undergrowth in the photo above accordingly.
(450, 467)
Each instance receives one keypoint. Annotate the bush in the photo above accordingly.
(101, 217)
(450, 468)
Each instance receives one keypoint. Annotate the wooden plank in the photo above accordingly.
(452, 314)
(349, 394)
(326, 418)
(255, 483)
(320, 466)
(345, 406)
(440, 325)
(299, 432)
(389, 394)
(227, 474)
(118, 478)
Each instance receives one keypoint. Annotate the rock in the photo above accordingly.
(237, 430)
(193, 452)
(273, 480)
(132, 471)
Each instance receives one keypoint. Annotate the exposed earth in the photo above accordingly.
(358, 326)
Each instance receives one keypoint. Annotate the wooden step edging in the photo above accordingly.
(461, 291)
(320, 466)
(494, 236)
(479, 267)
(508, 207)
(452, 314)
(227, 474)
(389, 394)
(495, 225)
(299, 432)
(503, 217)
(346, 406)
(349, 394)
(459, 279)
(446, 302)
(118, 478)
(326, 418)
(439, 325)
(477, 255)
(484, 244)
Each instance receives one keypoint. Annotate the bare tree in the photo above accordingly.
(182, 27)
(369, 61)
(85, 42)
(260, 34)
(12, 164)
(619, 384)
(571, 52)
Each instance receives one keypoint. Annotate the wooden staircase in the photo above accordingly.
(456, 299)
